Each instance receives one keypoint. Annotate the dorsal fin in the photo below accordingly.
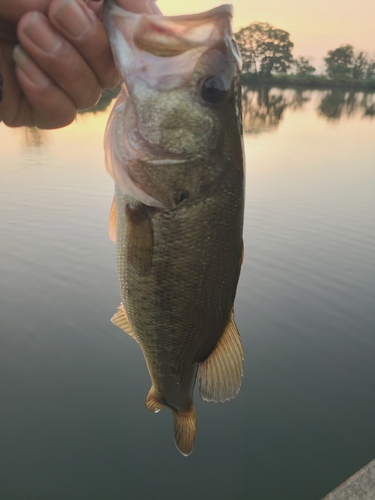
(120, 319)
(112, 223)
(221, 373)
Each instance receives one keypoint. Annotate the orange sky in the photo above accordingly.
(315, 26)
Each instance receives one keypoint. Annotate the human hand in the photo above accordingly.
(61, 62)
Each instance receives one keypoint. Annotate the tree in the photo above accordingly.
(303, 66)
(370, 70)
(339, 61)
(343, 62)
(360, 64)
(264, 49)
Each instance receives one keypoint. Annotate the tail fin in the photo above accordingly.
(185, 427)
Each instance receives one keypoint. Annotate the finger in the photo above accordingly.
(13, 10)
(52, 107)
(47, 105)
(78, 23)
(12, 94)
(95, 5)
(7, 32)
(58, 59)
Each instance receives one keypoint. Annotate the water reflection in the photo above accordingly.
(264, 107)
(33, 137)
(336, 104)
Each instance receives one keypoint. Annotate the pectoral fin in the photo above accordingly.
(221, 373)
(140, 237)
(120, 319)
(112, 221)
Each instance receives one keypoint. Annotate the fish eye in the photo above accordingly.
(213, 90)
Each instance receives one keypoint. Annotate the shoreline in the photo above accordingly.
(308, 81)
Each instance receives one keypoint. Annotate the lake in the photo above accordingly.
(73, 424)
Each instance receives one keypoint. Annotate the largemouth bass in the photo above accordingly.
(174, 149)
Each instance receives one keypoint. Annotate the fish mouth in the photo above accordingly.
(163, 50)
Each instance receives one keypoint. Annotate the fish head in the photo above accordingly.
(182, 85)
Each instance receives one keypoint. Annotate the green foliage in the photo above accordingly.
(264, 49)
(345, 64)
(303, 66)
(267, 55)
(339, 61)
(360, 64)
(370, 70)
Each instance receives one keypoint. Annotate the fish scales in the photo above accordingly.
(190, 290)
(178, 213)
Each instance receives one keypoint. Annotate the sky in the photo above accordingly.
(315, 27)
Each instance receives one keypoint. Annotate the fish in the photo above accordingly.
(174, 148)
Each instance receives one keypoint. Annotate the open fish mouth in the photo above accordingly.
(163, 50)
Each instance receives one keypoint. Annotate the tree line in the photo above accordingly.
(267, 51)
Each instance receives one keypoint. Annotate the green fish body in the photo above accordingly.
(174, 149)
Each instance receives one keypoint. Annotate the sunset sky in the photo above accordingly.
(315, 27)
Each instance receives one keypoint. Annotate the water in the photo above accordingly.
(72, 419)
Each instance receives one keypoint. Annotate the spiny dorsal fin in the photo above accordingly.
(112, 221)
(140, 237)
(152, 404)
(185, 428)
(221, 373)
(120, 319)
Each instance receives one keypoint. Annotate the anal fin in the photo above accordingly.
(220, 375)
(152, 403)
(120, 319)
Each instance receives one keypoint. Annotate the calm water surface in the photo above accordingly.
(72, 419)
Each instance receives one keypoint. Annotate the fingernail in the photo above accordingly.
(38, 30)
(29, 68)
(74, 18)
